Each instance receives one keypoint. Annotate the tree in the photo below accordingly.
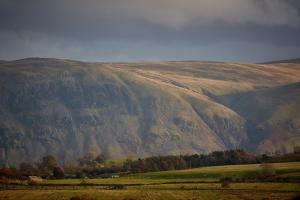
(10, 173)
(49, 162)
(127, 165)
(297, 150)
(28, 169)
(58, 172)
(91, 162)
(100, 159)
(70, 168)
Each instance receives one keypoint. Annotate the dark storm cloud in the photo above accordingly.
(144, 29)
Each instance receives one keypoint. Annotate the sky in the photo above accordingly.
(134, 30)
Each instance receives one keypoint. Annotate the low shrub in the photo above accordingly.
(251, 176)
(82, 197)
(83, 181)
(267, 170)
(117, 187)
(4, 180)
(225, 182)
(32, 182)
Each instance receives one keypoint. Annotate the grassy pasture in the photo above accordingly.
(214, 173)
(148, 194)
(203, 174)
(192, 184)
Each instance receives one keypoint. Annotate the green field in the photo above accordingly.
(191, 184)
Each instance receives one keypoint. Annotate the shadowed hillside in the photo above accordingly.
(71, 108)
(272, 115)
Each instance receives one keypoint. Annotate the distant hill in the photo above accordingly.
(295, 60)
(71, 108)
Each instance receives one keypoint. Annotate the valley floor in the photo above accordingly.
(193, 184)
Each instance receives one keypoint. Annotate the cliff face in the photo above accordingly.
(71, 108)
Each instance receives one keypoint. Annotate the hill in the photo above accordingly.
(72, 108)
(295, 60)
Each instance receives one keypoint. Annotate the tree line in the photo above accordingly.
(99, 166)
(163, 163)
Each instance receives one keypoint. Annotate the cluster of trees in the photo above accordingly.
(228, 157)
(97, 166)
(10, 173)
(190, 161)
(162, 163)
(159, 163)
(47, 168)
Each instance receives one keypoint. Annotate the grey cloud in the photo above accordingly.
(177, 13)
(149, 29)
(171, 13)
(30, 44)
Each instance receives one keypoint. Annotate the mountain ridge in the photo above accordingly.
(72, 108)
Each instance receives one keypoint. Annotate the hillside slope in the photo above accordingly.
(272, 115)
(71, 108)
